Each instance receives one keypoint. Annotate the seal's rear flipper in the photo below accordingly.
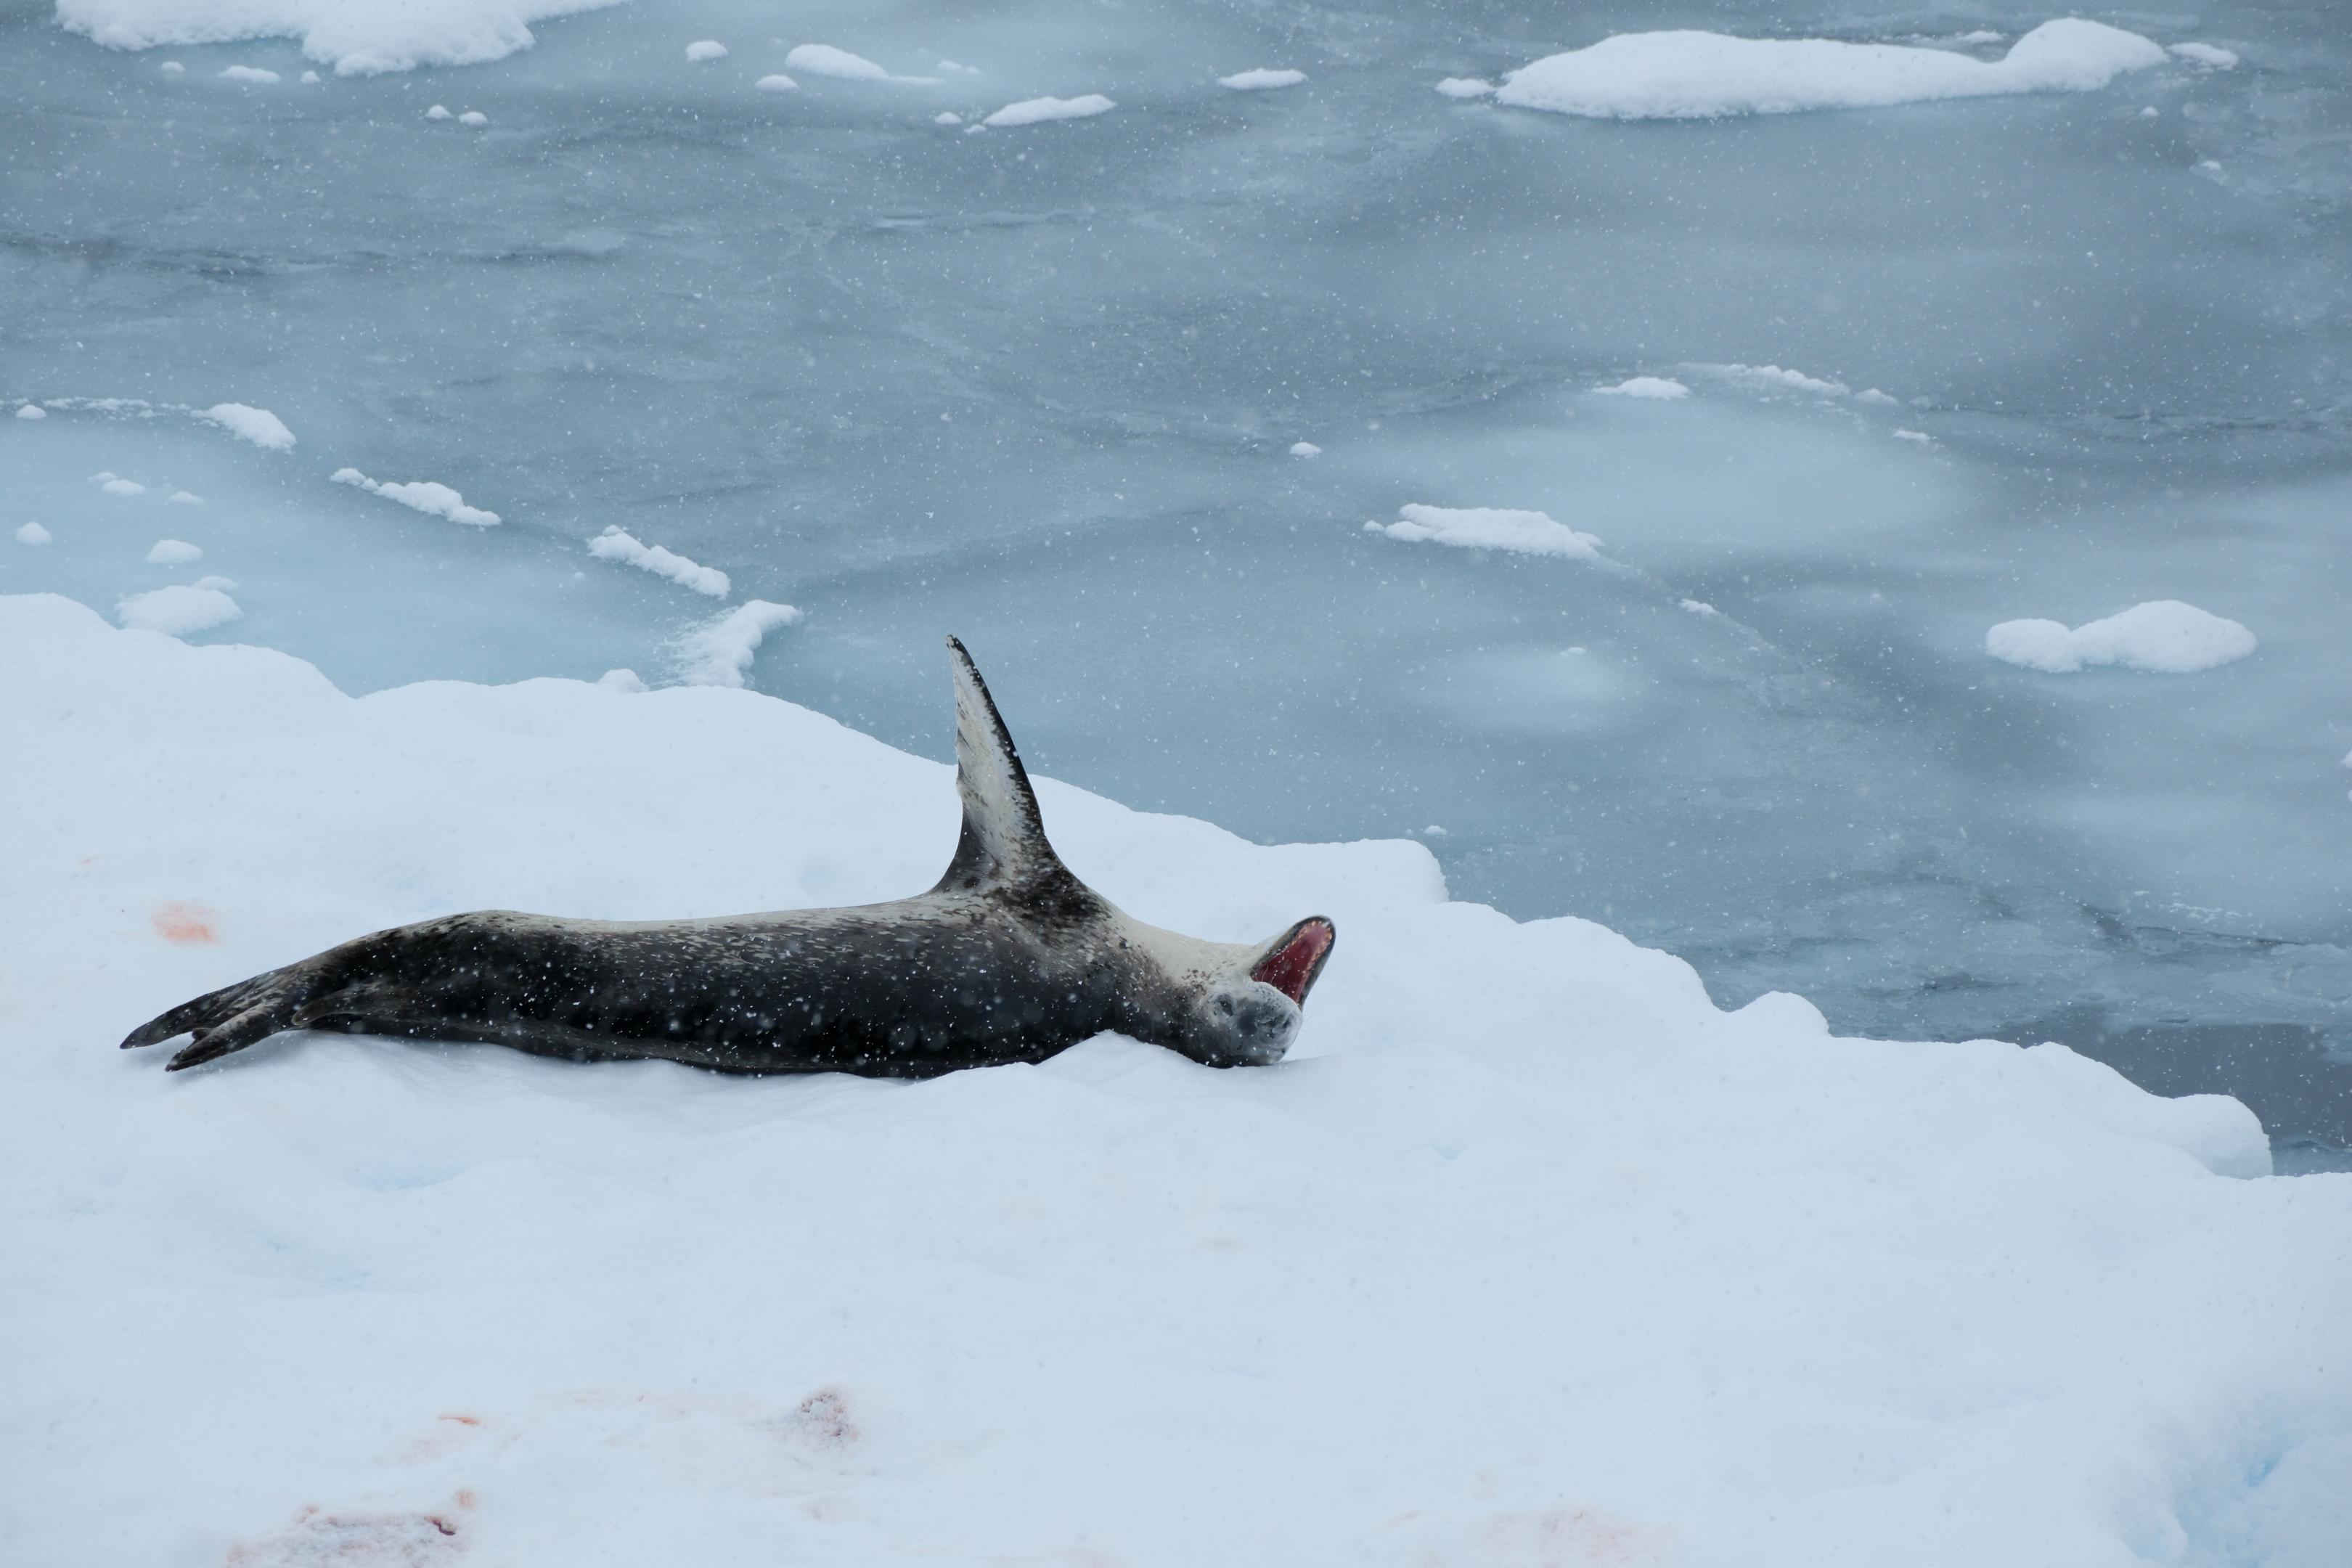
(225, 1020)
(1003, 835)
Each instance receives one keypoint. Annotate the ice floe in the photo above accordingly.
(31, 411)
(1685, 74)
(705, 50)
(824, 60)
(173, 552)
(474, 118)
(2207, 55)
(1467, 87)
(248, 74)
(1261, 80)
(259, 425)
(179, 610)
(1037, 110)
(424, 495)
(1774, 378)
(439, 112)
(2164, 636)
(34, 533)
(357, 37)
(1488, 528)
(1662, 388)
(120, 487)
(776, 81)
(614, 544)
(719, 652)
(1305, 449)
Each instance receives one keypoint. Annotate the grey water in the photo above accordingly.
(1040, 386)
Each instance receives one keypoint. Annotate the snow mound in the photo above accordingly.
(1689, 75)
(1539, 1257)
(259, 425)
(1467, 87)
(824, 60)
(422, 495)
(248, 73)
(2207, 55)
(358, 38)
(1774, 378)
(115, 487)
(721, 652)
(34, 533)
(173, 552)
(178, 610)
(32, 411)
(187, 498)
(1489, 528)
(1305, 449)
(1654, 386)
(776, 82)
(1261, 80)
(613, 544)
(474, 118)
(705, 50)
(2163, 637)
(1037, 110)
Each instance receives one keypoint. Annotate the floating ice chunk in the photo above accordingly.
(439, 112)
(115, 487)
(356, 37)
(1261, 79)
(1685, 75)
(719, 653)
(2148, 113)
(32, 411)
(173, 67)
(178, 610)
(1655, 386)
(1489, 528)
(614, 545)
(1871, 394)
(1467, 87)
(776, 82)
(1919, 435)
(621, 680)
(222, 583)
(2164, 636)
(1036, 110)
(705, 50)
(1305, 449)
(259, 425)
(1981, 36)
(958, 69)
(2207, 55)
(34, 533)
(1699, 607)
(946, 117)
(173, 552)
(1774, 378)
(248, 73)
(309, 78)
(424, 495)
(187, 498)
(474, 118)
(824, 60)
(2211, 165)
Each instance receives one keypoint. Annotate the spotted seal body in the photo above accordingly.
(1009, 958)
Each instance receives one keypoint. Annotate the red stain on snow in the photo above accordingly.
(185, 922)
(317, 1539)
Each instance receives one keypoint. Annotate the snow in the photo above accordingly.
(1685, 74)
(1662, 388)
(946, 117)
(1489, 528)
(719, 652)
(2164, 636)
(259, 425)
(824, 60)
(622, 680)
(34, 533)
(173, 552)
(439, 112)
(2207, 55)
(1467, 87)
(178, 610)
(776, 82)
(1037, 110)
(1697, 607)
(705, 50)
(1774, 378)
(172, 68)
(1921, 437)
(309, 78)
(1305, 449)
(474, 118)
(187, 498)
(424, 495)
(32, 411)
(358, 38)
(248, 73)
(115, 487)
(1533, 1257)
(614, 544)
(1261, 80)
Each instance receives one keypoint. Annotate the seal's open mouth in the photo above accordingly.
(1297, 958)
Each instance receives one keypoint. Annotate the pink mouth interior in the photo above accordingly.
(1292, 967)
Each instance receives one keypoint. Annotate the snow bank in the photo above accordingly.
(2164, 636)
(358, 38)
(178, 610)
(1261, 80)
(613, 544)
(1538, 1258)
(1489, 528)
(259, 425)
(34, 533)
(719, 653)
(424, 495)
(824, 60)
(1655, 386)
(1037, 110)
(173, 552)
(1685, 75)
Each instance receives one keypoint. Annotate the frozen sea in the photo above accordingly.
(1047, 385)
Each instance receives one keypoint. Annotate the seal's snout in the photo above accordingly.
(1295, 959)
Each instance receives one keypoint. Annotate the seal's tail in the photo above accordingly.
(222, 1021)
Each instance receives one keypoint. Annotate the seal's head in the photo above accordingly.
(1247, 1010)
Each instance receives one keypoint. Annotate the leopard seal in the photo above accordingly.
(1009, 958)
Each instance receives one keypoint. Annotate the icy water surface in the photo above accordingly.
(1041, 385)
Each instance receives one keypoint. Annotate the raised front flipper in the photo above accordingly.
(1003, 837)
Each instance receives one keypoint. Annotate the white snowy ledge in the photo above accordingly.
(1540, 1257)
(358, 38)
(2163, 637)
(1039, 110)
(421, 495)
(615, 545)
(1488, 528)
(1687, 75)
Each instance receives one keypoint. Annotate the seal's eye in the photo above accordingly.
(1292, 967)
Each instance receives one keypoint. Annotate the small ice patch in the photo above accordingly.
(173, 67)
(187, 498)
(1261, 79)
(1774, 378)
(705, 50)
(1305, 449)
(778, 82)
(246, 423)
(1489, 528)
(2207, 55)
(247, 73)
(824, 60)
(422, 495)
(1689, 75)
(357, 38)
(1919, 435)
(2164, 636)
(1654, 386)
(946, 117)
(32, 411)
(621, 680)
(474, 118)
(958, 69)
(34, 533)
(2148, 113)
(309, 78)
(178, 610)
(173, 552)
(115, 487)
(1872, 395)
(439, 112)
(223, 584)
(613, 544)
(1981, 36)
(1467, 87)
(1037, 110)
(1699, 607)
(719, 653)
